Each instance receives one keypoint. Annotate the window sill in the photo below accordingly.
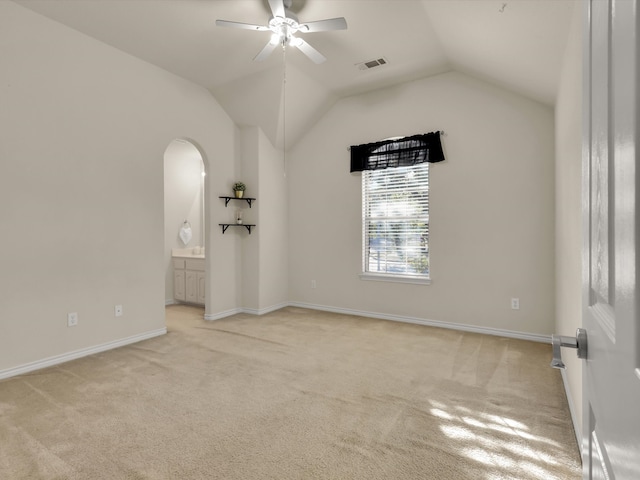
(376, 277)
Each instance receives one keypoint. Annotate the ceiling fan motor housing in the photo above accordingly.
(284, 28)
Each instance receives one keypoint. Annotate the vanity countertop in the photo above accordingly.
(187, 252)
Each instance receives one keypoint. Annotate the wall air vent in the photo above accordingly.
(372, 64)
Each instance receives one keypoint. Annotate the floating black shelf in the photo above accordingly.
(248, 199)
(227, 225)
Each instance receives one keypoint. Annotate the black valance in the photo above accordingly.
(402, 152)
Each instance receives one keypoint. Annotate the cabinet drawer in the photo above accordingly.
(196, 264)
(179, 263)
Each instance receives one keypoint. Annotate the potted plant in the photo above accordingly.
(238, 189)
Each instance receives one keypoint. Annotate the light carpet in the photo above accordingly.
(295, 394)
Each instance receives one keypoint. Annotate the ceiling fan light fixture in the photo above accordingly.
(275, 39)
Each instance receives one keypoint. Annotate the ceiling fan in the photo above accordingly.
(283, 27)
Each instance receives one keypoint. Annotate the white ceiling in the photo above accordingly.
(516, 44)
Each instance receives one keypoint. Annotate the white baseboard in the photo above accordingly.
(264, 311)
(224, 314)
(250, 311)
(577, 424)
(534, 337)
(83, 352)
(169, 301)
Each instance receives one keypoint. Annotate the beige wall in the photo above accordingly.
(492, 206)
(273, 227)
(83, 130)
(568, 207)
(264, 251)
(250, 175)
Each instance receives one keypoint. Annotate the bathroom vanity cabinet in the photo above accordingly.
(189, 280)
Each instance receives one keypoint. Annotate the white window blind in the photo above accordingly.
(396, 221)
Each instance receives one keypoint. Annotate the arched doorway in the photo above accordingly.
(184, 223)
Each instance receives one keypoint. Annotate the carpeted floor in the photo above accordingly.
(295, 394)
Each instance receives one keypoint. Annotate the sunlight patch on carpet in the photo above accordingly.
(479, 435)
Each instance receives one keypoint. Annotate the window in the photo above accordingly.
(395, 220)
(395, 205)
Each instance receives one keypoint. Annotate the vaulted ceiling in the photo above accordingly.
(515, 44)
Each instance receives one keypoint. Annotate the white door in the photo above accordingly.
(611, 378)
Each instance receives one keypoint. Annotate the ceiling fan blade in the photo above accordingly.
(309, 51)
(277, 8)
(324, 25)
(265, 52)
(244, 26)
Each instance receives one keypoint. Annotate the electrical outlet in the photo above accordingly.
(515, 304)
(72, 319)
(313, 284)
(118, 310)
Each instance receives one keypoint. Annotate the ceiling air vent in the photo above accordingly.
(371, 64)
